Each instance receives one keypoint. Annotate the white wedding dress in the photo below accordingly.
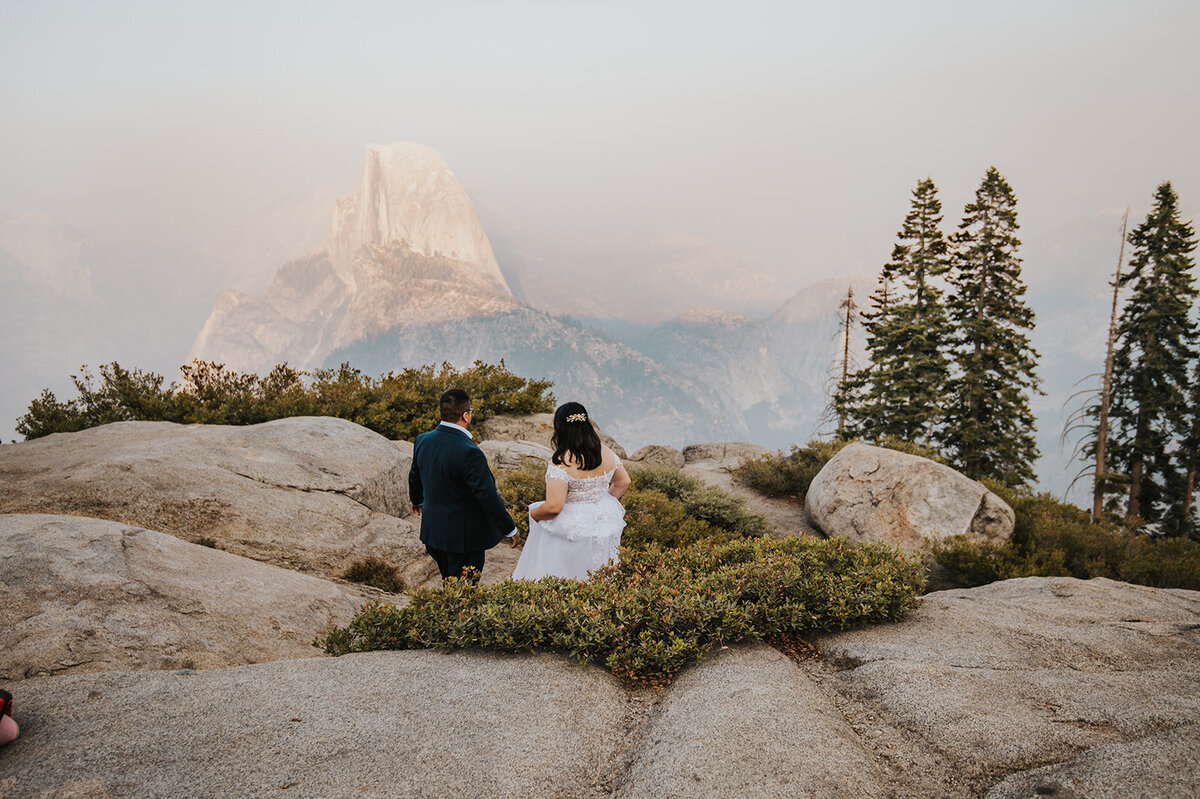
(584, 536)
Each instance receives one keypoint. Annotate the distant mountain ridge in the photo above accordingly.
(406, 248)
(408, 277)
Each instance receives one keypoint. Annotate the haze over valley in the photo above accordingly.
(660, 217)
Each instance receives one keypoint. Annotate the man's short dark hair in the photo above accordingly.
(454, 403)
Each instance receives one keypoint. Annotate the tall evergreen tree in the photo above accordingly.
(989, 426)
(1180, 518)
(908, 331)
(1156, 345)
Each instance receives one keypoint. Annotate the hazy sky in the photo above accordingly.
(793, 130)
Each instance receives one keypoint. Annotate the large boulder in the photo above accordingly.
(1031, 687)
(749, 723)
(871, 494)
(1165, 765)
(1010, 677)
(311, 493)
(84, 594)
(659, 455)
(536, 428)
(508, 455)
(378, 724)
(727, 454)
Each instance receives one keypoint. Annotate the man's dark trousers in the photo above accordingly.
(462, 515)
(452, 564)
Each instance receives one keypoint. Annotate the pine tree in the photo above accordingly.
(1181, 513)
(989, 422)
(1156, 344)
(908, 332)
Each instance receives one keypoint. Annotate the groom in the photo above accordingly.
(454, 493)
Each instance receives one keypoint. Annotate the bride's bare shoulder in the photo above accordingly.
(608, 458)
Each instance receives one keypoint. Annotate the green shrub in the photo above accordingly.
(778, 475)
(658, 609)
(1053, 538)
(377, 573)
(663, 506)
(520, 489)
(722, 511)
(398, 405)
(788, 475)
(652, 517)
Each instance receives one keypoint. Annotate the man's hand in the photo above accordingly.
(416, 509)
(514, 541)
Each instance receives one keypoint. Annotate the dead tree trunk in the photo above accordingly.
(1106, 388)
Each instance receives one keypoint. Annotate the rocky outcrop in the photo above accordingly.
(310, 493)
(749, 723)
(1039, 674)
(1164, 765)
(405, 249)
(535, 428)
(725, 453)
(658, 455)
(715, 462)
(872, 494)
(1031, 687)
(409, 196)
(379, 724)
(83, 595)
(508, 455)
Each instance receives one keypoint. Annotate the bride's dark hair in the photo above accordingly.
(573, 433)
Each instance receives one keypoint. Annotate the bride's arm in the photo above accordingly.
(556, 497)
(620, 482)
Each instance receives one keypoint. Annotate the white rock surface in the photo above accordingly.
(1023, 673)
(1039, 684)
(726, 454)
(313, 493)
(658, 455)
(872, 494)
(82, 595)
(535, 428)
(748, 723)
(506, 455)
(380, 724)
(1164, 766)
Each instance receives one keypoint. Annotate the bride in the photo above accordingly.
(578, 527)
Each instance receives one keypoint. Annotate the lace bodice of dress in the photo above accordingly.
(583, 489)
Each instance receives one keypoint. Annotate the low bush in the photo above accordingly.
(662, 506)
(377, 573)
(398, 405)
(777, 474)
(1056, 539)
(720, 510)
(658, 609)
(520, 488)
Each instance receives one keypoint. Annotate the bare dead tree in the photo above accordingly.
(1100, 476)
(847, 318)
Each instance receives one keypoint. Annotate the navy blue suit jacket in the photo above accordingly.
(461, 511)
